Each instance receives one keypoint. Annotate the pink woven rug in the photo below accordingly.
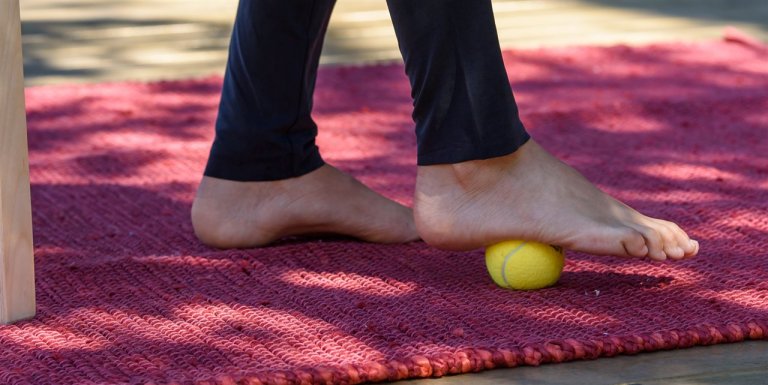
(126, 294)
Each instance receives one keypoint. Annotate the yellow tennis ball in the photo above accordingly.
(524, 265)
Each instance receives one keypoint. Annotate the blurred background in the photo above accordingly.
(76, 41)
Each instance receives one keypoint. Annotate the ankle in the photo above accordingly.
(468, 175)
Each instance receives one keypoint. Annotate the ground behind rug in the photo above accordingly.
(126, 294)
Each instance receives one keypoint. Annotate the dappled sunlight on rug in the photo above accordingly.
(126, 294)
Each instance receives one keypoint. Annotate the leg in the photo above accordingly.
(265, 178)
(481, 179)
(463, 106)
(264, 130)
(17, 273)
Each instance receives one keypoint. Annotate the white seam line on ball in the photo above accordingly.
(506, 259)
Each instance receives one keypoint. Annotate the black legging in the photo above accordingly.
(463, 105)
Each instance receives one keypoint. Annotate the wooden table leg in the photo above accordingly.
(17, 273)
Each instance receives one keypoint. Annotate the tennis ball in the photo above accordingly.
(524, 265)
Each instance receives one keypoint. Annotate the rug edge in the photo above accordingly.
(473, 360)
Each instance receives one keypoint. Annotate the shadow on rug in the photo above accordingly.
(126, 294)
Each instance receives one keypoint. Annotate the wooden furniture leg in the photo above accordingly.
(17, 273)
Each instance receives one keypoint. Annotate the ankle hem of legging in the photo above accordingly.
(260, 171)
(466, 154)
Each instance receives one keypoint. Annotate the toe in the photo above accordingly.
(690, 246)
(634, 243)
(654, 241)
(672, 247)
(677, 244)
(674, 252)
(694, 247)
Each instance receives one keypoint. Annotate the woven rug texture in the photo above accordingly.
(127, 295)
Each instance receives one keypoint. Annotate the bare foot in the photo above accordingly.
(532, 195)
(229, 214)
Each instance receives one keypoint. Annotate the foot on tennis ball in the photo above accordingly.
(524, 265)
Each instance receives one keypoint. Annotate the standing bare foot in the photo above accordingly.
(229, 214)
(532, 195)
